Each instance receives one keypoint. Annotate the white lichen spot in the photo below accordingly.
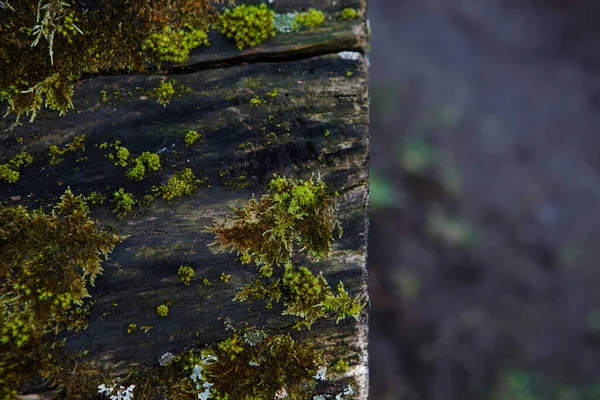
(166, 359)
(347, 391)
(121, 393)
(281, 393)
(320, 376)
(319, 397)
(349, 55)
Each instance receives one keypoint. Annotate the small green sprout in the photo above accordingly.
(225, 277)
(206, 282)
(248, 25)
(162, 310)
(341, 366)
(10, 171)
(191, 137)
(123, 203)
(96, 198)
(164, 92)
(273, 92)
(348, 13)
(182, 183)
(131, 328)
(186, 274)
(256, 101)
(56, 154)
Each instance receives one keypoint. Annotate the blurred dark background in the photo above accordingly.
(485, 222)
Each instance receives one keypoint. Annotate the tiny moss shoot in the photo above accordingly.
(248, 25)
(35, 305)
(273, 93)
(206, 282)
(341, 366)
(348, 14)
(56, 154)
(182, 183)
(186, 274)
(162, 310)
(164, 92)
(293, 212)
(256, 101)
(123, 203)
(225, 277)
(131, 328)
(9, 172)
(96, 198)
(191, 137)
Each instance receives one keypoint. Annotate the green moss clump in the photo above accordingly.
(293, 212)
(348, 13)
(186, 274)
(162, 310)
(9, 172)
(46, 263)
(248, 25)
(310, 19)
(182, 183)
(164, 92)
(123, 203)
(146, 160)
(225, 277)
(174, 45)
(259, 290)
(261, 368)
(191, 137)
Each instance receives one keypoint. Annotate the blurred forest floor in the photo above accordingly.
(485, 231)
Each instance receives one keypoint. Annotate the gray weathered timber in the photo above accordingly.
(317, 123)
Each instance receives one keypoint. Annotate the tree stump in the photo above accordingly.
(292, 106)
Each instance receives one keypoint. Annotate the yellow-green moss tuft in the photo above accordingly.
(186, 274)
(310, 19)
(248, 25)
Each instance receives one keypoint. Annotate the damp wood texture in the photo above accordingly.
(291, 106)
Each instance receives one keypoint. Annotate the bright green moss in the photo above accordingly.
(164, 92)
(182, 183)
(123, 203)
(148, 160)
(121, 155)
(162, 310)
(186, 274)
(310, 19)
(259, 290)
(225, 277)
(8, 174)
(37, 305)
(348, 13)
(191, 137)
(10, 171)
(256, 101)
(174, 45)
(293, 212)
(131, 328)
(248, 25)
(273, 92)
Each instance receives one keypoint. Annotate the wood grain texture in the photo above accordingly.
(320, 119)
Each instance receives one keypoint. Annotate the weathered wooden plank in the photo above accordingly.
(321, 104)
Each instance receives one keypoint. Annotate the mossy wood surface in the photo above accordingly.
(317, 122)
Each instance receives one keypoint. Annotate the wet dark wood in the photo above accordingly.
(320, 116)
